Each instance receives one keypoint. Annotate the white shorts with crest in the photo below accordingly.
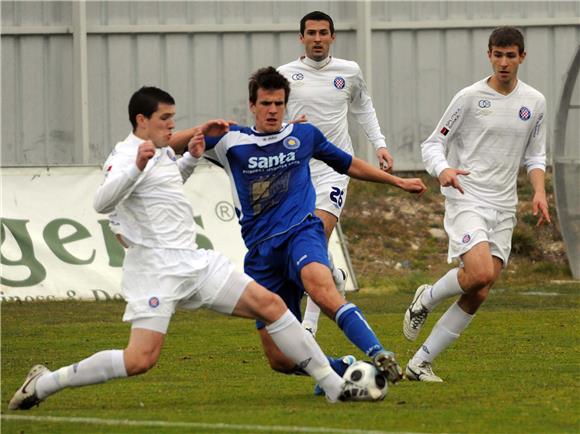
(156, 281)
(467, 224)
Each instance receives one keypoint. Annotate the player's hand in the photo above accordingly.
(449, 178)
(299, 120)
(385, 160)
(540, 206)
(413, 185)
(216, 127)
(196, 145)
(145, 152)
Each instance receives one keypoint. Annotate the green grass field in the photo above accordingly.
(515, 370)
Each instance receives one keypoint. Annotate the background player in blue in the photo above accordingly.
(287, 250)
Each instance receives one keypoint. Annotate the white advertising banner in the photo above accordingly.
(55, 246)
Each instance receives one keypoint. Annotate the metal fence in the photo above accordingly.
(69, 68)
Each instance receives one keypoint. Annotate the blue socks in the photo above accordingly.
(354, 325)
(337, 365)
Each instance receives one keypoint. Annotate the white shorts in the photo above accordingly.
(156, 281)
(331, 189)
(467, 225)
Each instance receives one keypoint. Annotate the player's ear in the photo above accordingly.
(141, 120)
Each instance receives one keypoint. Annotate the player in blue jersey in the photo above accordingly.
(275, 199)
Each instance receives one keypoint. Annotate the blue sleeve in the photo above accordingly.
(212, 141)
(326, 151)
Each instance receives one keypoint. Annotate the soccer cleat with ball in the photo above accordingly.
(416, 315)
(421, 372)
(386, 363)
(364, 382)
(348, 360)
(26, 397)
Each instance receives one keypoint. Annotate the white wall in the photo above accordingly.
(69, 68)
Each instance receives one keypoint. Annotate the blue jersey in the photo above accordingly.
(270, 175)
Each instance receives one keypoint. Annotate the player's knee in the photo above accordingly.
(481, 278)
(139, 363)
(270, 306)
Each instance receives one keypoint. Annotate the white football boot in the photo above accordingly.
(416, 315)
(25, 397)
(421, 372)
(386, 363)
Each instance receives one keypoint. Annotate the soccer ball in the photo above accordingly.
(369, 378)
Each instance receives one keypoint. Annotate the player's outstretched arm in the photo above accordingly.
(539, 201)
(360, 169)
(216, 127)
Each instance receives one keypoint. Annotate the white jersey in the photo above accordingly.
(326, 95)
(490, 135)
(148, 208)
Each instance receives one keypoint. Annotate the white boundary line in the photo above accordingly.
(212, 426)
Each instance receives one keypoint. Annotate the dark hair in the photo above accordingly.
(269, 79)
(316, 16)
(146, 101)
(506, 36)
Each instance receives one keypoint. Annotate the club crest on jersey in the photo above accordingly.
(466, 239)
(525, 113)
(339, 83)
(153, 302)
(291, 143)
(484, 103)
(298, 76)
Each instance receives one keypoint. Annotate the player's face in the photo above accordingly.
(269, 110)
(159, 127)
(317, 39)
(505, 62)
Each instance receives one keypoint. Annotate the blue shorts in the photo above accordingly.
(276, 263)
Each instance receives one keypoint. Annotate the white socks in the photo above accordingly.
(95, 369)
(445, 332)
(446, 287)
(299, 345)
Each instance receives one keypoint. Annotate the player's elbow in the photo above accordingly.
(101, 206)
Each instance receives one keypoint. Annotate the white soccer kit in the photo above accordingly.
(163, 268)
(325, 92)
(490, 135)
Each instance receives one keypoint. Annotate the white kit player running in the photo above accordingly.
(487, 131)
(325, 89)
(163, 268)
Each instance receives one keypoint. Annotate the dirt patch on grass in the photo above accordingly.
(391, 234)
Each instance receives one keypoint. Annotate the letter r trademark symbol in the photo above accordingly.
(224, 211)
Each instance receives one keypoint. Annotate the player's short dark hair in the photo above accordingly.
(506, 36)
(146, 101)
(316, 16)
(269, 79)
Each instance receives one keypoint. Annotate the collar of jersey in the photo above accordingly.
(263, 139)
(485, 82)
(316, 64)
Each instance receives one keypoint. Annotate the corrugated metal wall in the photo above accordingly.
(203, 52)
